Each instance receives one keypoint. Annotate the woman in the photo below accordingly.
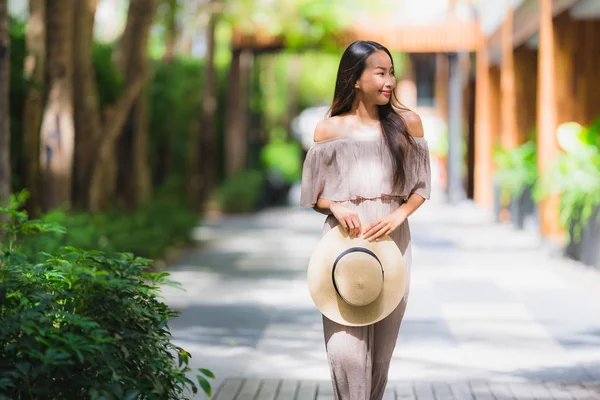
(368, 170)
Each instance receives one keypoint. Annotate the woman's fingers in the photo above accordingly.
(352, 226)
(371, 229)
(357, 224)
(381, 231)
(344, 225)
(350, 222)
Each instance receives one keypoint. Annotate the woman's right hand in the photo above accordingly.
(348, 219)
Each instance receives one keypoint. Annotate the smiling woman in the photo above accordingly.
(367, 170)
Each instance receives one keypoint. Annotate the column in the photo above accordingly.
(510, 138)
(455, 127)
(484, 165)
(547, 114)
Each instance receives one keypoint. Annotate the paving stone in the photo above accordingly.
(288, 389)
(230, 389)
(442, 391)
(307, 390)
(404, 391)
(268, 389)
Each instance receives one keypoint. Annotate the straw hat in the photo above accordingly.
(355, 282)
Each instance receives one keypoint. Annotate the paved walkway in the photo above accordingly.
(289, 389)
(487, 307)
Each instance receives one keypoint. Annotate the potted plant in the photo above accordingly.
(516, 174)
(575, 176)
(501, 196)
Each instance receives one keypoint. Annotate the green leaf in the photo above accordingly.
(132, 394)
(23, 367)
(207, 372)
(205, 385)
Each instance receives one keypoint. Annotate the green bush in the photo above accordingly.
(575, 176)
(162, 222)
(176, 93)
(84, 324)
(176, 99)
(109, 81)
(516, 169)
(284, 158)
(241, 192)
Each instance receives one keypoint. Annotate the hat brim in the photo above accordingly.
(324, 295)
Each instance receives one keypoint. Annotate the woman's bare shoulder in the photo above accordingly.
(329, 128)
(413, 122)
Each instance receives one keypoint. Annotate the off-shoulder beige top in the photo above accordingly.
(348, 168)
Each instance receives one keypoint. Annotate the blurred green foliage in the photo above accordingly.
(574, 175)
(284, 158)
(176, 99)
(108, 79)
(302, 23)
(161, 223)
(241, 193)
(516, 169)
(317, 88)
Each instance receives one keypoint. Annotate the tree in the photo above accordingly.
(5, 178)
(131, 60)
(295, 24)
(35, 61)
(171, 30)
(88, 123)
(58, 129)
(202, 171)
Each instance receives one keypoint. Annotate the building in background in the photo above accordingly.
(537, 68)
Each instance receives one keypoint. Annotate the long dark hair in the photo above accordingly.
(394, 128)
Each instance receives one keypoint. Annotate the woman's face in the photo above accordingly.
(377, 81)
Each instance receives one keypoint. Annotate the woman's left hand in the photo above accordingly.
(384, 226)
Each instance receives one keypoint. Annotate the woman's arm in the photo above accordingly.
(410, 206)
(347, 218)
(415, 128)
(323, 206)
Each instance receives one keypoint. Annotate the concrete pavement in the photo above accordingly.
(486, 304)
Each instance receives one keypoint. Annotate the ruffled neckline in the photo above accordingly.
(372, 139)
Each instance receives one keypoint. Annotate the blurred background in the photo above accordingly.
(142, 125)
(115, 105)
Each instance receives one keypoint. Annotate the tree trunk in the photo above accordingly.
(164, 148)
(292, 97)
(141, 172)
(132, 59)
(171, 34)
(236, 140)
(87, 112)
(57, 130)
(32, 110)
(5, 177)
(202, 176)
(104, 170)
